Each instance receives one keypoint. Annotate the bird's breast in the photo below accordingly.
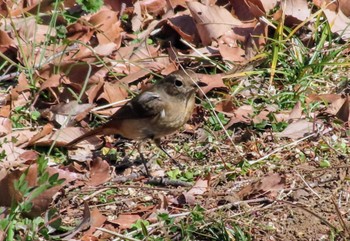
(173, 116)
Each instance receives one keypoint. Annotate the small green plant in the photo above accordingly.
(15, 223)
(107, 196)
(90, 6)
(187, 175)
(214, 122)
(141, 225)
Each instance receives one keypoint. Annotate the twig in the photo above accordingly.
(281, 148)
(167, 182)
(109, 105)
(184, 214)
(343, 224)
(307, 184)
(95, 193)
(9, 76)
(312, 213)
(117, 234)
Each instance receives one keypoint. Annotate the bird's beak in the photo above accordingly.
(201, 84)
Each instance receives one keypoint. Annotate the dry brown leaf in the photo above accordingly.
(298, 129)
(60, 113)
(344, 7)
(339, 23)
(329, 4)
(266, 186)
(5, 126)
(12, 153)
(212, 21)
(53, 81)
(297, 112)
(296, 11)
(99, 172)
(108, 25)
(40, 203)
(78, 31)
(117, 5)
(225, 106)
(338, 104)
(5, 111)
(65, 135)
(16, 157)
(97, 220)
(175, 3)
(113, 92)
(340, 108)
(105, 49)
(241, 115)
(135, 76)
(185, 199)
(5, 40)
(231, 53)
(84, 224)
(329, 98)
(185, 26)
(93, 90)
(20, 137)
(47, 129)
(344, 111)
(212, 81)
(154, 7)
(242, 10)
(126, 220)
(200, 187)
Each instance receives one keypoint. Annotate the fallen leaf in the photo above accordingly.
(113, 92)
(231, 53)
(211, 21)
(19, 138)
(5, 126)
(226, 106)
(40, 203)
(241, 115)
(212, 81)
(344, 7)
(339, 23)
(108, 25)
(125, 221)
(296, 11)
(200, 187)
(85, 223)
(99, 172)
(185, 26)
(266, 186)
(154, 7)
(298, 129)
(72, 110)
(297, 111)
(47, 129)
(242, 10)
(65, 135)
(97, 219)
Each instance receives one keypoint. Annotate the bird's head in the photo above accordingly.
(181, 83)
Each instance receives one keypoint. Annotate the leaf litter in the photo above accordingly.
(117, 58)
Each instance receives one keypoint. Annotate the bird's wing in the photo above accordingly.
(145, 105)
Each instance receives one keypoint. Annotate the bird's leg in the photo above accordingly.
(139, 149)
(157, 142)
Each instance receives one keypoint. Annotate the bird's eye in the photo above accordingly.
(178, 83)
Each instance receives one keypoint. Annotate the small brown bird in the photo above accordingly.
(156, 112)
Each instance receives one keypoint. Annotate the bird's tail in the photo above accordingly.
(96, 131)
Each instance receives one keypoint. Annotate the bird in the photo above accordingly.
(154, 113)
